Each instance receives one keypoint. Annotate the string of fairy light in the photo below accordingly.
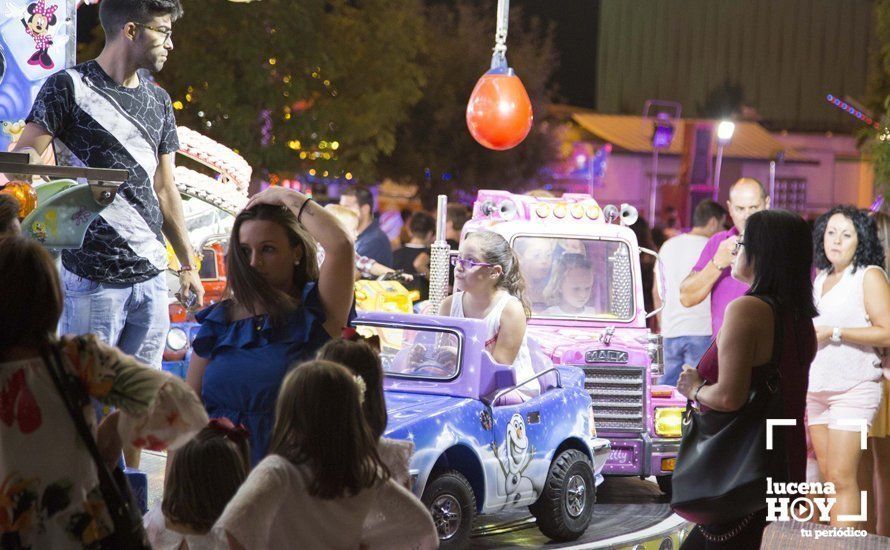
(321, 150)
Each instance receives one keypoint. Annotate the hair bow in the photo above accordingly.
(236, 434)
(349, 333)
(43, 10)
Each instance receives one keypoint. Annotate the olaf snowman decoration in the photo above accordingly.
(515, 458)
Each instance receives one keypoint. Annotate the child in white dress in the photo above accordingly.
(322, 476)
(204, 476)
(487, 270)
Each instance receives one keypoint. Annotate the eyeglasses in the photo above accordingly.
(738, 246)
(468, 264)
(168, 33)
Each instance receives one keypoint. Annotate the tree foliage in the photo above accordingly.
(387, 80)
(434, 147)
(298, 85)
(878, 97)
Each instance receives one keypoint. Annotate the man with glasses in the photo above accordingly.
(107, 114)
(711, 274)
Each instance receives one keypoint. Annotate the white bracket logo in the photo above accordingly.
(863, 445)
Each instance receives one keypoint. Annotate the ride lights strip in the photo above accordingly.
(560, 210)
(215, 155)
(223, 195)
(844, 106)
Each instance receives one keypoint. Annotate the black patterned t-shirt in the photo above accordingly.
(106, 125)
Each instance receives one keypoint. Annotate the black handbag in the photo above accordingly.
(723, 464)
(129, 532)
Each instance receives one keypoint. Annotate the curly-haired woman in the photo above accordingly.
(852, 294)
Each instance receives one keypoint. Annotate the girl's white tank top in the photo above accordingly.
(523, 362)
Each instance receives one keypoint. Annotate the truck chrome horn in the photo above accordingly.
(629, 214)
(610, 213)
(506, 210)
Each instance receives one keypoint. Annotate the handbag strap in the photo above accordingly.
(70, 395)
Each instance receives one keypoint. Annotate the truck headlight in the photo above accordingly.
(177, 339)
(668, 421)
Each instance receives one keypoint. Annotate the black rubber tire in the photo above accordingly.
(452, 482)
(664, 483)
(550, 509)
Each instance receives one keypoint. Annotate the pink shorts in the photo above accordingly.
(831, 407)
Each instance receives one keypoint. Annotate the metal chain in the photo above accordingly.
(499, 59)
(723, 537)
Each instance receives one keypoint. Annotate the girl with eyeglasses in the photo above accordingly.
(492, 288)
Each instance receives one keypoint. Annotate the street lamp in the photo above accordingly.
(725, 129)
(664, 116)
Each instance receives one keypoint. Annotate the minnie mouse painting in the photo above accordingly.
(37, 25)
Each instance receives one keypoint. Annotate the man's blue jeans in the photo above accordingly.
(134, 318)
(679, 351)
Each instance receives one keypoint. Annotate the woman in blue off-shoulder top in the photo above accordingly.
(280, 308)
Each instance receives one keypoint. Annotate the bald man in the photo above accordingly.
(711, 274)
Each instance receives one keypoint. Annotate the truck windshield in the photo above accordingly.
(577, 278)
(416, 353)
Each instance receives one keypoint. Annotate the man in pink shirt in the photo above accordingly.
(711, 274)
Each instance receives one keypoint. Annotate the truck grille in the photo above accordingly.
(617, 394)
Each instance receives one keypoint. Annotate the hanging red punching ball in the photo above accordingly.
(499, 113)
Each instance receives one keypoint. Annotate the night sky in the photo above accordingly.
(575, 40)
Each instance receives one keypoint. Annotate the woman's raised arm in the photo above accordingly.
(335, 281)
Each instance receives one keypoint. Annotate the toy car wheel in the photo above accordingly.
(564, 509)
(450, 500)
(664, 483)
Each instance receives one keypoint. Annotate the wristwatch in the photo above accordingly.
(717, 266)
(836, 335)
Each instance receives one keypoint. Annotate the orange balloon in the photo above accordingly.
(499, 113)
(25, 194)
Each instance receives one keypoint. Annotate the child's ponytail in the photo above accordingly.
(496, 250)
(513, 282)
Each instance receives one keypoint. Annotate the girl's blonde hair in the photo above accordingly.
(496, 251)
(347, 218)
(567, 261)
(319, 422)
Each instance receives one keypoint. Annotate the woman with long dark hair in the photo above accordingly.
(853, 297)
(774, 258)
(280, 308)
